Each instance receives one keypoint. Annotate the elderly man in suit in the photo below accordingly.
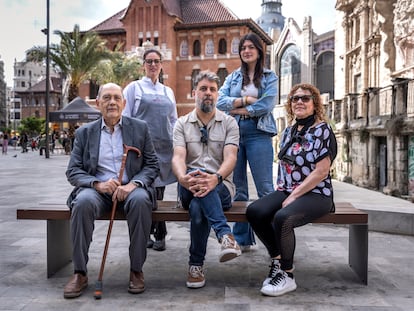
(93, 170)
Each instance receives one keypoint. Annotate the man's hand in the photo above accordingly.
(113, 187)
(108, 186)
(122, 192)
(201, 183)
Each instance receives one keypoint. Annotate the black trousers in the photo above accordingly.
(275, 225)
(159, 228)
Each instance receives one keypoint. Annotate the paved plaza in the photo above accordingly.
(324, 279)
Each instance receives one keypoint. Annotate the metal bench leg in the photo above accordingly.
(358, 250)
(59, 246)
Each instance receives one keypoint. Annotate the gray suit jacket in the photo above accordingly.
(83, 161)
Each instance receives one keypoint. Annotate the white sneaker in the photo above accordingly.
(279, 285)
(195, 278)
(274, 269)
(229, 248)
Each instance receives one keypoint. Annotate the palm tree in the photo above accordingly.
(75, 57)
(122, 69)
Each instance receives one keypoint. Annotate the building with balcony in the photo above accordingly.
(374, 94)
(32, 101)
(3, 98)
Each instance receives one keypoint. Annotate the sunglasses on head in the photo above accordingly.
(204, 135)
(303, 98)
(152, 61)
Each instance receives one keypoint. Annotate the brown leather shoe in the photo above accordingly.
(75, 286)
(136, 282)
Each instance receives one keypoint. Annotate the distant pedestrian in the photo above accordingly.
(33, 144)
(66, 143)
(23, 142)
(5, 143)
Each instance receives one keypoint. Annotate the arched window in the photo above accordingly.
(193, 76)
(184, 48)
(196, 48)
(222, 48)
(325, 73)
(209, 47)
(222, 74)
(161, 77)
(290, 70)
(235, 46)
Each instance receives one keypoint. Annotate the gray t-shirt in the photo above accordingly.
(222, 130)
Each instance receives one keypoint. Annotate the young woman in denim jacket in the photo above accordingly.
(249, 94)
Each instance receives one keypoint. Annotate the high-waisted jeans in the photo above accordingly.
(256, 148)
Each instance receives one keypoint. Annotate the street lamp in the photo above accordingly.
(47, 32)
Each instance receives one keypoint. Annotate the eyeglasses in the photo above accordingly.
(204, 135)
(152, 61)
(303, 98)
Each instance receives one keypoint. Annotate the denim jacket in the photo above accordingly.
(262, 108)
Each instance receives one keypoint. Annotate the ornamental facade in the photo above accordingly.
(374, 94)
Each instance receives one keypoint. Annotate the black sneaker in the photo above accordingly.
(150, 243)
(159, 245)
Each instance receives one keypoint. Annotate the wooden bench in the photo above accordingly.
(59, 254)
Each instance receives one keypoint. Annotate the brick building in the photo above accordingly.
(33, 99)
(192, 35)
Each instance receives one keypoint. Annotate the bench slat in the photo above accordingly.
(167, 211)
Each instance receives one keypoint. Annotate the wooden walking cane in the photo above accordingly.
(98, 284)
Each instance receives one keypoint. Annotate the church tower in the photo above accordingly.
(271, 19)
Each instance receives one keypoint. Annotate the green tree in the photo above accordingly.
(75, 57)
(32, 126)
(121, 69)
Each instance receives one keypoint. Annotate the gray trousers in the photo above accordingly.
(90, 205)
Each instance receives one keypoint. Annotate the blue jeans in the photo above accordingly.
(257, 149)
(205, 213)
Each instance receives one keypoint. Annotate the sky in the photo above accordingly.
(21, 21)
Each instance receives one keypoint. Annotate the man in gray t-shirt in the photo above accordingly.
(205, 145)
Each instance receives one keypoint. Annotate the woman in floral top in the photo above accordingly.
(303, 189)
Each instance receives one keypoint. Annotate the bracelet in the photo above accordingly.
(244, 100)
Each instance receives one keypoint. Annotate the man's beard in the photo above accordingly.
(206, 108)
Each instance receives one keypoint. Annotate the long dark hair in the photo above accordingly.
(258, 71)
